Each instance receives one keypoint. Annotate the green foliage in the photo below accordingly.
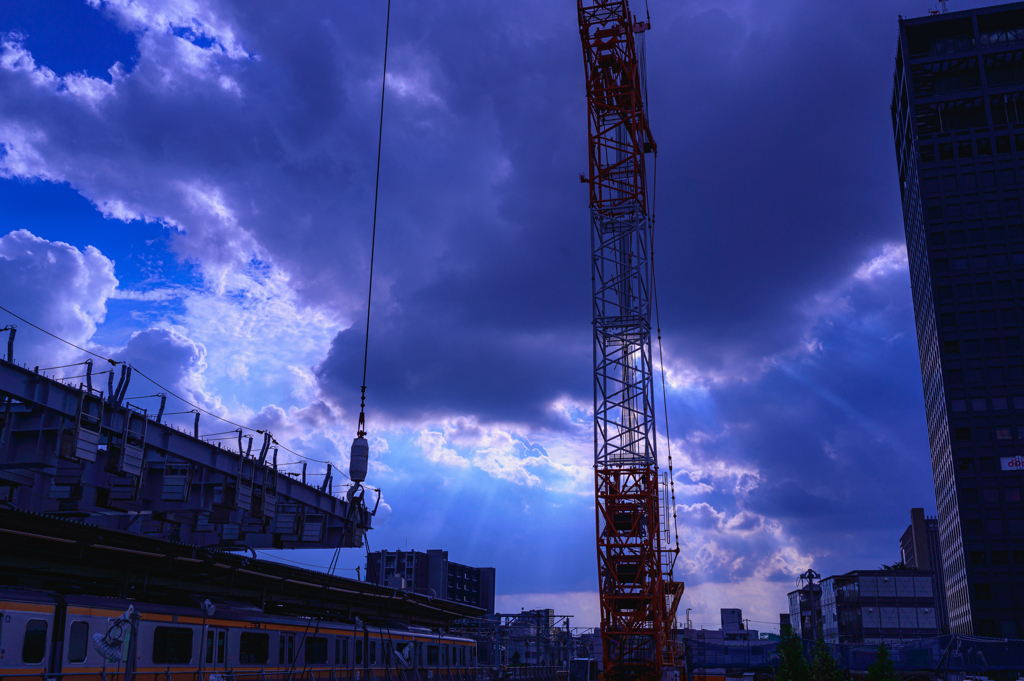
(883, 668)
(792, 665)
(896, 566)
(824, 667)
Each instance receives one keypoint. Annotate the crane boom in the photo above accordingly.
(638, 596)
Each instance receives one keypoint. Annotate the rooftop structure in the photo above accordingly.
(805, 611)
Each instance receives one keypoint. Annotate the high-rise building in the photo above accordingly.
(432, 574)
(920, 550)
(958, 122)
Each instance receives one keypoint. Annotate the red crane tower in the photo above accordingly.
(638, 594)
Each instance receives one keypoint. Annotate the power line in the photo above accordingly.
(196, 407)
(62, 340)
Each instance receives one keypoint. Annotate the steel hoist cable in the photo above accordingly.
(661, 365)
(361, 429)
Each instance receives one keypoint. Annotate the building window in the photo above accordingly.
(1003, 434)
(961, 405)
(1000, 558)
(999, 404)
(979, 404)
(990, 495)
(1011, 494)
(962, 434)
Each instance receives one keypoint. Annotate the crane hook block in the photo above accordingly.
(359, 460)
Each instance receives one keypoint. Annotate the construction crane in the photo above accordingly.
(638, 595)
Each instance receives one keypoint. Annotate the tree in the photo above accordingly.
(792, 665)
(883, 668)
(824, 667)
(897, 566)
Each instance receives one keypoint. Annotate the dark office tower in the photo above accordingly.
(958, 120)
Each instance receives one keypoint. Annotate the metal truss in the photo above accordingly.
(71, 452)
(638, 598)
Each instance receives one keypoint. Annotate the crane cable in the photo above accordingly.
(361, 429)
(661, 363)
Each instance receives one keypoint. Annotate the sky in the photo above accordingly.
(188, 185)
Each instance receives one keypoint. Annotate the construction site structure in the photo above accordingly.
(73, 451)
(637, 593)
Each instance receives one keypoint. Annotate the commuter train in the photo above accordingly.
(48, 636)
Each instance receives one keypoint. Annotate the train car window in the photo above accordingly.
(344, 651)
(316, 650)
(172, 645)
(359, 651)
(419, 654)
(280, 650)
(221, 635)
(254, 648)
(337, 651)
(291, 648)
(373, 653)
(78, 641)
(33, 648)
(432, 656)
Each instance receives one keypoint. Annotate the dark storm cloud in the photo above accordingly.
(775, 182)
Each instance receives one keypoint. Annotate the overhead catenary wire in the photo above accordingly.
(661, 355)
(65, 366)
(113, 362)
(195, 407)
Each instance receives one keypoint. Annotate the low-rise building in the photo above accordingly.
(875, 606)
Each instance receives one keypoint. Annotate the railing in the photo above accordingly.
(298, 674)
(305, 674)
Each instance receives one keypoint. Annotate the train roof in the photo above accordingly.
(77, 560)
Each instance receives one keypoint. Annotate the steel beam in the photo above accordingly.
(64, 450)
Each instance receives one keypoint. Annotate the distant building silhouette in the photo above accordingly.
(878, 606)
(920, 550)
(431, 573)
(958, 122)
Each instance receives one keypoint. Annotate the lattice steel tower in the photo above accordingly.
(638, 597)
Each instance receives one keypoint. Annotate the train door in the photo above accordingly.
(216, 650)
